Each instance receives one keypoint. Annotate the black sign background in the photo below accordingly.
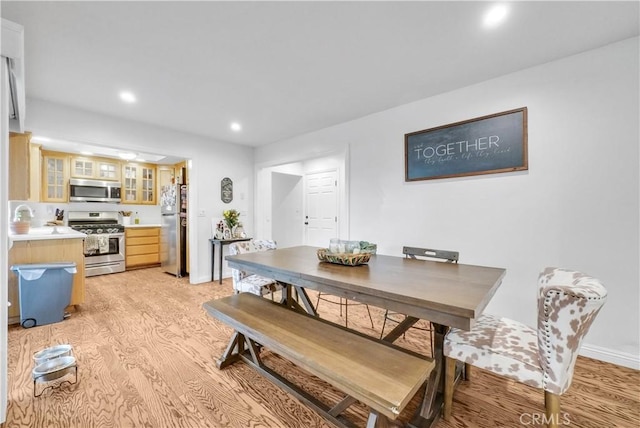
(484, 145)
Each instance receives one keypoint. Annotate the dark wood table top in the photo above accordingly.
(444, 293)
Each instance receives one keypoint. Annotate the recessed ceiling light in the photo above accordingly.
(235, 126)
(495, 15)
(127, 97)
(127, 155)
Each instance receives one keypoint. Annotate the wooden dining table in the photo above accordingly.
(446, 294)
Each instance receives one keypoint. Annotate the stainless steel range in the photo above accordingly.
(104, 244)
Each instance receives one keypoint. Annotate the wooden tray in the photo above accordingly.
(342, 258)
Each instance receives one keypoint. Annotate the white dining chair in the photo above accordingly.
(251, 283)
(542, 357)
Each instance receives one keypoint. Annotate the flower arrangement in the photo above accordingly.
(126, 213)
(231, 218)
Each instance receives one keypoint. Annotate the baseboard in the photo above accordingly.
(607, 355)
(203, 278)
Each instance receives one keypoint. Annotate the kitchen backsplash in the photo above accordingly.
(43, 211)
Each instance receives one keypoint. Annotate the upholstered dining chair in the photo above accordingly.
(542, 357)
(414, 253)
(245, 282)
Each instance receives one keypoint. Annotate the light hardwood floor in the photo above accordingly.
(146, 350)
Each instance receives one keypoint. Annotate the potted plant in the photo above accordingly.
(231, 219)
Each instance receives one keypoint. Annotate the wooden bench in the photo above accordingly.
(382, 376)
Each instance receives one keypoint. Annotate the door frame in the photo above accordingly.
(338, 159)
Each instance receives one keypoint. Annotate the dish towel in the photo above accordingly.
(103, 244)
(90, 244)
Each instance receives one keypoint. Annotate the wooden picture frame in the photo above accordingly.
(483, 145)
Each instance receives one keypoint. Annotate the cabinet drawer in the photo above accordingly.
(137, 232)
(143, 249)
(141, 240)
(142, 259)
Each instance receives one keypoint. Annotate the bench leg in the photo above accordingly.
(254, 350)
(232, 354)
(376, 420)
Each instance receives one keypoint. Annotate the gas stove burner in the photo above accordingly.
(98, 228)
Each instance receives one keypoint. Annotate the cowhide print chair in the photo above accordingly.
(245, 282)
(545, 357)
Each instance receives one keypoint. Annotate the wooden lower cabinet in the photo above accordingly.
(45, 251)
(142, 247)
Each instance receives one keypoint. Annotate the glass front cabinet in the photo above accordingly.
(138, 184)
(55, 180)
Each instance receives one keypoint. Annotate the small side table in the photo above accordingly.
(221, 243)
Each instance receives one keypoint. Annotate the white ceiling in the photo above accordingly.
(286, 68)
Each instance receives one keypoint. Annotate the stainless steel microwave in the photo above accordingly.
(94, 191)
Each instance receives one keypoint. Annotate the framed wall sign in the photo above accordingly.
(226, 190)
(484, 145)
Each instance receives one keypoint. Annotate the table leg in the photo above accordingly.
(213, 260)
(291, 303)
(428, 414)
(400, 329)
(430, 410)
(220, 265)
(302, 294)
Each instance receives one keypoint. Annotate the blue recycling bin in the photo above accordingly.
(45, 291)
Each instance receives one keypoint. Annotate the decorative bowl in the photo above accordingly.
(343, 258)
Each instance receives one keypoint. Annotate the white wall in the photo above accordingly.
(210, 162)
(287, 209)
(576, 207)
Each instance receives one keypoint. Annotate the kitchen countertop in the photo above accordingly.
(46, 232)
(134, 226)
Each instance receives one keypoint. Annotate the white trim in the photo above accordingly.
(4, 238)
(614, 357)
(193, 229)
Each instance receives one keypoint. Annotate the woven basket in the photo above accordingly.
(343, 259)
(20, 227)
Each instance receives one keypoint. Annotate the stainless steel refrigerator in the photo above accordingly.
(173, 235)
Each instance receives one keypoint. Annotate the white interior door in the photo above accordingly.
(321, 213)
